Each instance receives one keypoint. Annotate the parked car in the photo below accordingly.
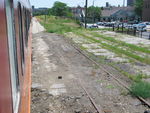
(141, 27)
(135, 25)
(146, 23)
(92, 26)
(99, 23)
(148, 28)
(109, 24)
(129, 26)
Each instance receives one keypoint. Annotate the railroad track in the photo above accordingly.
(110, 74)
(97, 108)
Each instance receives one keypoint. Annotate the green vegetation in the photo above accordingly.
(110, 87)
(101, 29)
(135, 78)
(94, 12)
(141, 89)
(60, 9)
(117, 50)
(63, 25)
(58, 25)
(101, 60)
(138, 7)
(121, 43)
(124, 92)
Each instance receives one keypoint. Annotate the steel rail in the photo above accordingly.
(90, 98)
(120, 82)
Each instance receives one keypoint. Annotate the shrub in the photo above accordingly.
(141, 89)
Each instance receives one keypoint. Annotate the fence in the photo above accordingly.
(130, 30)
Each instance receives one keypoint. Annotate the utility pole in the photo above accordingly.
(93, 2)
(93, 12)
(86, 2)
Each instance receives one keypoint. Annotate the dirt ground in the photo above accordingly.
(58, 70)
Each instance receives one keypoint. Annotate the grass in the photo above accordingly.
(110, 87)
(141, 89)
(135, 78)
(102, 29)
(121, 43)
(58, 25)
(117, 50)
(101, 60)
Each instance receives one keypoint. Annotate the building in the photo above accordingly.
(78, 12)
(125, 14)
(107, 4)
(130, 2)
(146, 10)
(107, 12)
(118, 13)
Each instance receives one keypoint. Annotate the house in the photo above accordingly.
(107, 12)
(125, 14)
(118, 13)
(78, 12)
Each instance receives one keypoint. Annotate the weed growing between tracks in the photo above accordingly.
(141, 89)
(121, 43)
(120, 51)
(117, 50)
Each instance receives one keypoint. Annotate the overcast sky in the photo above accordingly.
(49, 3)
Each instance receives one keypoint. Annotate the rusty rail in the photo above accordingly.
(120, 82)
(90, 98)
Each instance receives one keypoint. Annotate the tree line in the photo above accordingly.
(61, 9)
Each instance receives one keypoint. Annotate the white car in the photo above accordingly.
(148, 28)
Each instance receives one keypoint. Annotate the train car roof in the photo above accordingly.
(25, 3)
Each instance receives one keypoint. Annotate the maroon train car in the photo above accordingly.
(15, 56)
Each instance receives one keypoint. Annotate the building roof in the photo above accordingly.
(107, 12)
(125, 12)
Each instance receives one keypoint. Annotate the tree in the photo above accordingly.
(59, 9)
(94, 12)
(139, 7)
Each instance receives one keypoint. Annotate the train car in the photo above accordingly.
(15, 56)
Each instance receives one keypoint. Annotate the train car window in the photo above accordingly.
(26, 27)
(12, 55)
(21, 38)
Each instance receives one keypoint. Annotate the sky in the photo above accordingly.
(49, 3)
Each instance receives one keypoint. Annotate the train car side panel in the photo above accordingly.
(5, 84)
